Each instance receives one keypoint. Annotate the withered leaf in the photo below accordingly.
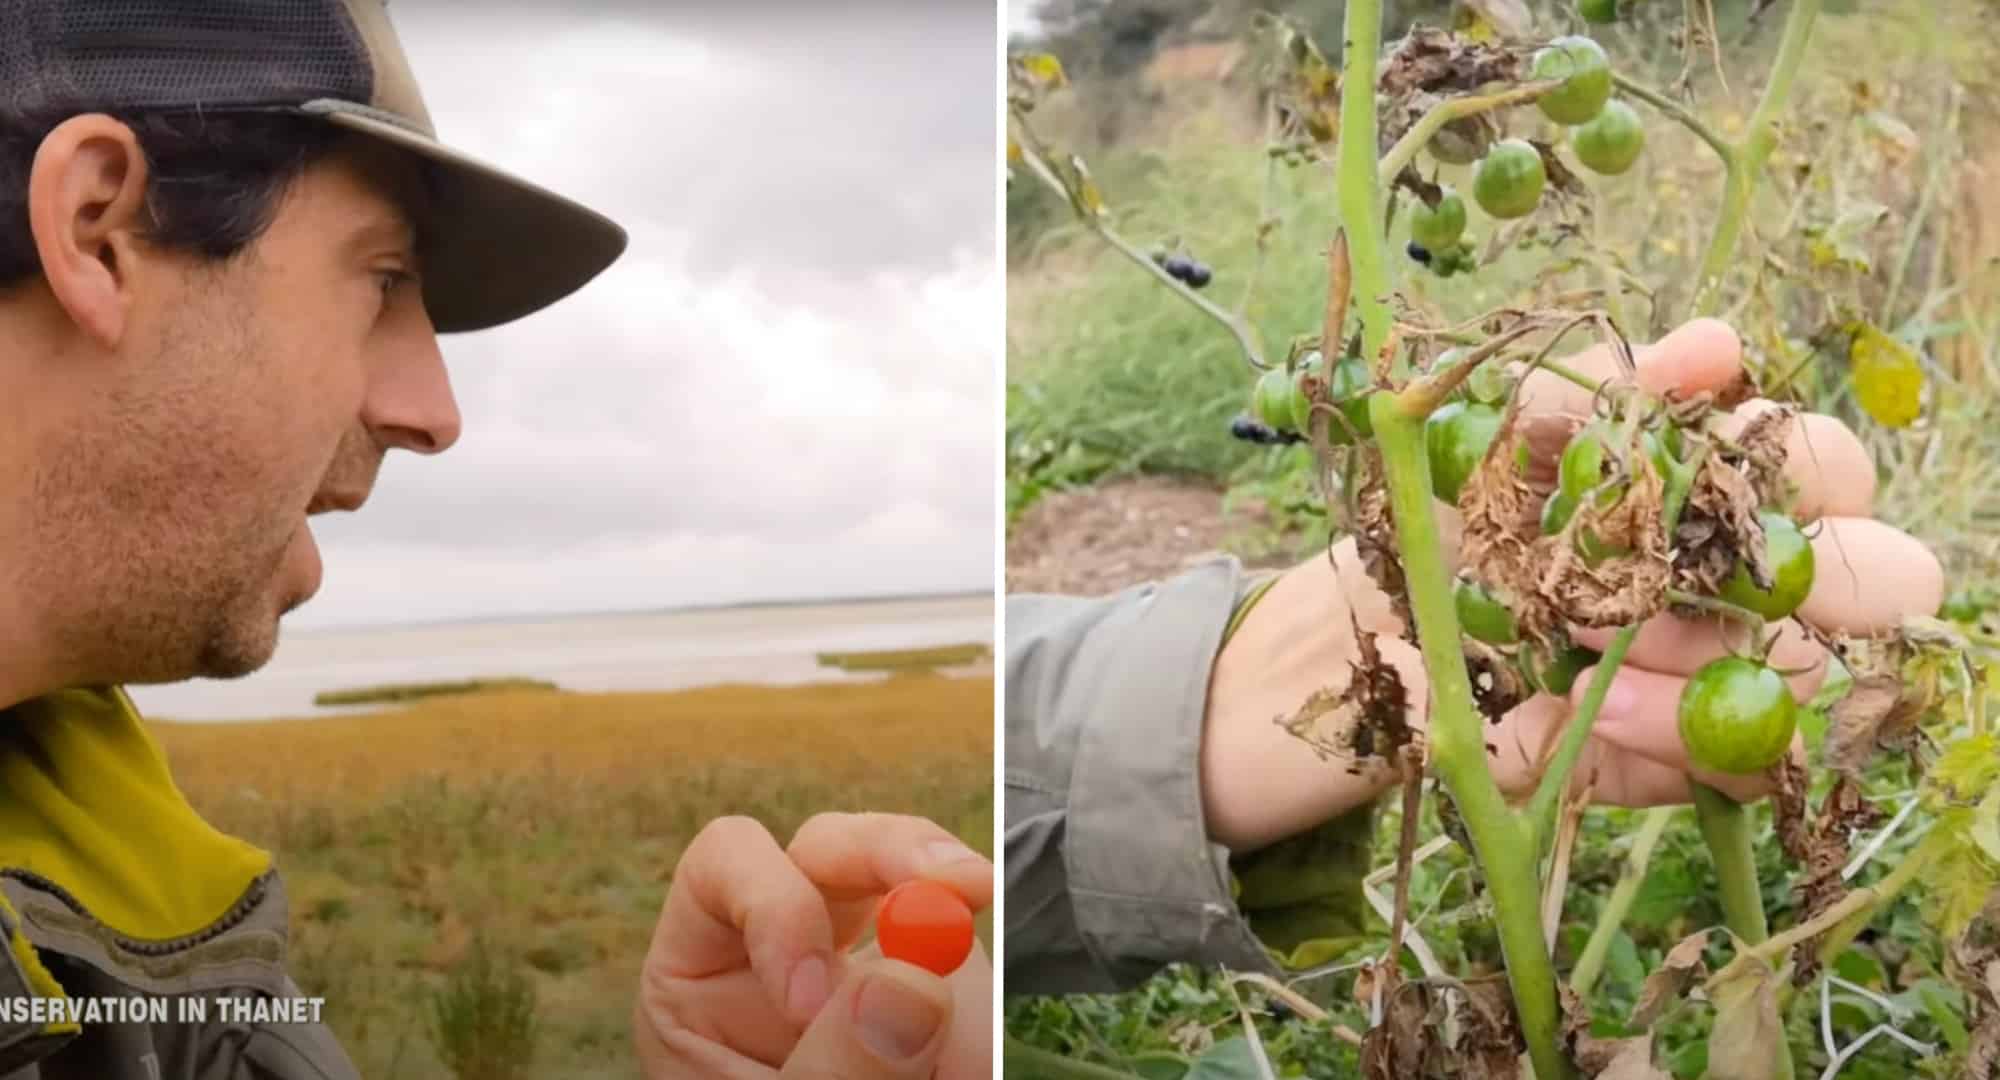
(1406, 1040)
(1375, 538)
(1634, 1061)
(1618, 1059)
(1844, 812)
(1743, 1044)
(1489, 1042)
(1497, 684)
(1875, 712)
(1665, 987)
(1380, 702)
(1788, 807)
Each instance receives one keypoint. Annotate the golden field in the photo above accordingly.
(545, 826)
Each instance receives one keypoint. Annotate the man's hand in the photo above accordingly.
(750, 975)
(1259, 784)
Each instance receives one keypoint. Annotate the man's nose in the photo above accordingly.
(410, 404)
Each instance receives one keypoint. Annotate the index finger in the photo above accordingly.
(856, 858)
(1698, 355)
(736, 897)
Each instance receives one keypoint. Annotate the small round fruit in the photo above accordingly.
(1456, 437)
(1271, 401)
(1508, 182)
(1439, 227)
(1586, 79)
(1598, 11)
(1177, 267)
(926, 924)
(1610, 143)
(1482, 615)
(1198, 275)
(1737, 716)
(1349, 388)
(1419, 253)
(1791, 558)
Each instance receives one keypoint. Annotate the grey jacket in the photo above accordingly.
(1110, 874)
(240, 957)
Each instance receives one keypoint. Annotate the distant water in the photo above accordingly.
(667, 651)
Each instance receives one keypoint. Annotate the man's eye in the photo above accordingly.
(391, 279)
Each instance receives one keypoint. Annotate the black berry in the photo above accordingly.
(1420, 253)
(1198, 275)
(1177, 267)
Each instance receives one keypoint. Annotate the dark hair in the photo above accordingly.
(215, 180)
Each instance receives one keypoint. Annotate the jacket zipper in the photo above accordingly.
(237, 913)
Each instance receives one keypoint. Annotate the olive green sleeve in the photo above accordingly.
(1110, 874)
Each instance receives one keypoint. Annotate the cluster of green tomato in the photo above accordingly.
(1737, 714)
(1508, 181)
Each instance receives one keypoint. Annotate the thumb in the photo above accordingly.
(886, 1022)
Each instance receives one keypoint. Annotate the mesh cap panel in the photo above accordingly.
(178, 54)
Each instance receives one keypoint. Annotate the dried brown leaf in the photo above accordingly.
(1665, 987)
(1634, 1061)
(1403, 1045)
(1380, 702)
(1617, 1059)
(1375, 538)
(1743, 1044)
(1844, 812)
(1497, 684)
(1876, 712)
(1788, 807)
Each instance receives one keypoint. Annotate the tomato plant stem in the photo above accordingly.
(1725, 827)
(1555, 779)
(1746, 162)
(1457, 740)
(1674, 110)
(1590, 963)
(1444, 112)
(1360, 196)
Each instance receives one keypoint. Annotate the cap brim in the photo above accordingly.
(500, 247)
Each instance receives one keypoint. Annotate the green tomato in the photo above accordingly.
(1349, 387)
(1582, 464)
(1586, 79)
(1611, 142)
(1457, 436)
(1271, 400)
(1439, 228)
(1598, 11)
(1791, 557)
(1482, 615)
(1555, 516)
(1737, 716)
(1508, 182)
(1556, 676)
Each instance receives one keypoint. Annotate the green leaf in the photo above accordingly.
(1888, 378)
(1160, 1065)
(1228, 1060)
(1945, 1014)
(1623, 961)
(1965, 769)
(1838, 242)
(1858, 965)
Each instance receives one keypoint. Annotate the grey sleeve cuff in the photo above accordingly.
(1116, 690)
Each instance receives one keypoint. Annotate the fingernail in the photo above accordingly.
(948, 852)
(895, 1021)
(807, 992)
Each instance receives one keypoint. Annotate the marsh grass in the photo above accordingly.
(545, 827)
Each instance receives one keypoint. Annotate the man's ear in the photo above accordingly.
(87, 211)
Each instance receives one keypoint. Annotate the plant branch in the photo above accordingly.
(1446, 112)
(1746, 164)
(1591, 962)
(1555, 779)
(1860, 901)
(1674, 110)
(1035, 155)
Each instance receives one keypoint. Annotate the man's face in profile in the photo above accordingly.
(244, 395)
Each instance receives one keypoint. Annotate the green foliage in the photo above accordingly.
(482, 1021)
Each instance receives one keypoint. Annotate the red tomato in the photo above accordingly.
(926, 924)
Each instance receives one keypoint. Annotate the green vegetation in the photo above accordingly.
(1841, 243)
(399, 693)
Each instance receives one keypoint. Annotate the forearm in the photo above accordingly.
(1259, 782)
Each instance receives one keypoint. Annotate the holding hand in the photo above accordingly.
(750, 974)
(1260, 784)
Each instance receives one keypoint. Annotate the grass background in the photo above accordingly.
(493, 842)
(1881, 205)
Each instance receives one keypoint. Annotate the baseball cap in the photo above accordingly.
(501, 247)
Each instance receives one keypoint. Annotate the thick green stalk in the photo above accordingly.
(1725, 827)
(1360, 193)
(1746, 163)
(1591, 962)
(1500, 842)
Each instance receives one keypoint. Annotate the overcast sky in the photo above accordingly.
(786, 389)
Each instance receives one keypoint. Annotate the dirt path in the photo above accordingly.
(1100, 539)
